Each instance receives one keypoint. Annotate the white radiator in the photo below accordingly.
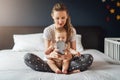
(112, 48)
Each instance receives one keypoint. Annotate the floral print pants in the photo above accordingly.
(36, 63)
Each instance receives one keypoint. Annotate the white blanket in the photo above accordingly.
(12, 67)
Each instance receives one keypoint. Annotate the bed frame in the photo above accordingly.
(92, 36)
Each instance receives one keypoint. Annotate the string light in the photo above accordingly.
(118, 17)
(103, 0)
(112, 11)
(112, 7)
(118, 4)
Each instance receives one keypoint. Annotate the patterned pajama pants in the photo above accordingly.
(36, 63)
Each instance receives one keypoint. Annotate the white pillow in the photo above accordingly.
(35, 42)
(28, 42)
(79, 46)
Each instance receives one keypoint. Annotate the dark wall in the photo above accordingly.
(37, 13)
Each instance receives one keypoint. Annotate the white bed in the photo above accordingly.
(13, 49)
(12, 67)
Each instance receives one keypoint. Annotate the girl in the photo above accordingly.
(61, 18)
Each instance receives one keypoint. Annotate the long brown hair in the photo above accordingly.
(68, 26)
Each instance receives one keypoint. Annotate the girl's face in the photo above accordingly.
(60, 36)
(60, 18)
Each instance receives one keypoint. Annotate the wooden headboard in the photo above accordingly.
(92, 36)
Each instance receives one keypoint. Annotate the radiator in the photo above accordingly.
(112, 48)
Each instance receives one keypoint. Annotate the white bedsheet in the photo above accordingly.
(12, 67)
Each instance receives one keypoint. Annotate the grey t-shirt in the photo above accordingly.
(49, 33)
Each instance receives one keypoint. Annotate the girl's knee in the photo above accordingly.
(88, 56)
(29, 56)
(89, 59)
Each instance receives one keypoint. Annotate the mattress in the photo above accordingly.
(12, 67)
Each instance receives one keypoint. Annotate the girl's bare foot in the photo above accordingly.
(58, 71)
(64, 71)
(75, 71)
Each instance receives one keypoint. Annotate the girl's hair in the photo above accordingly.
(60, 30)
(68, 26)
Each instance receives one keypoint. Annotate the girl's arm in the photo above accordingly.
(50, 51)
(73, 45)
(73, 49)
(48, 47)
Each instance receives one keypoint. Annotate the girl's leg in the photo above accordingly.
(81, 63)
(53, 66)
(65, 66)
(36, 63)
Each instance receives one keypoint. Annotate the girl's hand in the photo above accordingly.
(77, 53)
(74, 52)
(54, 54)
(66, 56)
